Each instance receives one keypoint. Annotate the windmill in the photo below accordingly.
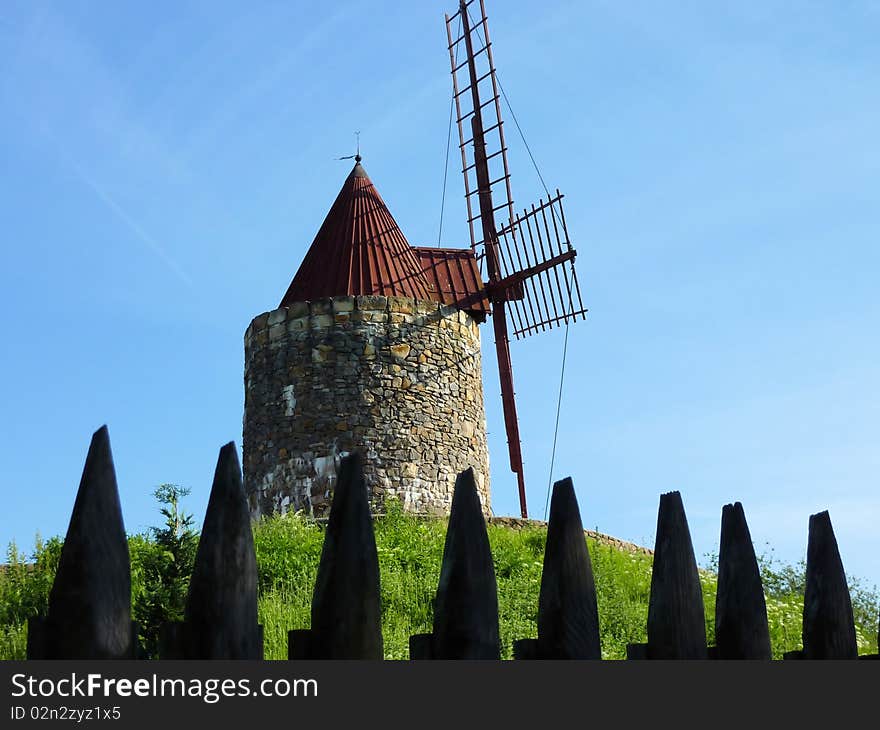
(527, 256)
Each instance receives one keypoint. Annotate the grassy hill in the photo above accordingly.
(410, 548)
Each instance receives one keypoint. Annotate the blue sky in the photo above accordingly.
(166, 165)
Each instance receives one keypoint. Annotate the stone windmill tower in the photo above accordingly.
(375, 345)
(374, 348)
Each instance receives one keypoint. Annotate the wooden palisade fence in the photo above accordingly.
(89, 613)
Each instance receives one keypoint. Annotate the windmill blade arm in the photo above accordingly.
(514, 280)
(476, 97)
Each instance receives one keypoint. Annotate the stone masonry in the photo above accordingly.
(397, 379)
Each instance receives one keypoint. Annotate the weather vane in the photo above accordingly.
(357, 155)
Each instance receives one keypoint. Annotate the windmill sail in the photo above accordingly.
(528, 258)
(474, 45)
(544, 283)
(534, 256)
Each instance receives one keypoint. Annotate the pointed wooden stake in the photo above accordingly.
(828, 630)
(89, 613)
(526, 649)
(420, 646)
(676, 619)
(346, 604)
(568, 617)
(298, 644)
(466, 605)
(741, 630)
(220, 620)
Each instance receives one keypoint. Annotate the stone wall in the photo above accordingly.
(518, 523)
(397, 379)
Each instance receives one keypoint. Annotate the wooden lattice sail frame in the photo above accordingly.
(529, 260)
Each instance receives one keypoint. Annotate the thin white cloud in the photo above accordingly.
(136, 228)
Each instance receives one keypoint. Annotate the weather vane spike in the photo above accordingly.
(357, 156)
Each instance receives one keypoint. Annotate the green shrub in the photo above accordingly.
(24, 592)
(161, 563)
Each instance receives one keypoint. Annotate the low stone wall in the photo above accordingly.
(517, 523)
(397, 379)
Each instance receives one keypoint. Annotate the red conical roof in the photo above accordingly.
(359, 250)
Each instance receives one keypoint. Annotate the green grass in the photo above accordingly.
(288, 550)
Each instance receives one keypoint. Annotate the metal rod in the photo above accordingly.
(568, 245)
(497, 105)
(464, 161)
(553, 320)
(519, 304)
(461, 37)
(544, 257)
(505, 265)
(573, 273)
(493, 183)
(545, 313)
(468, 87)
(497, 207)
(517, 226)
(474, 55)
(470, 113)
(488, 157)
(495, 126)
(462, 6)
(520, 276)
(555, 269)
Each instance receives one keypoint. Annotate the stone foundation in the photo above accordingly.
(397, 379)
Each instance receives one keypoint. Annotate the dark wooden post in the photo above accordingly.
(346, 603)
(466, 605)
(527, 649)
(89, 613)
(220, 619)
(568, 617)
(298, 644)
(676, 618)
(420, 646)
(741, 630)
(828, 630)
